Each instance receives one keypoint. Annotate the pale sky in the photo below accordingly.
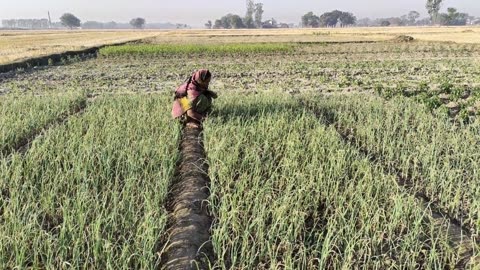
(196, 13)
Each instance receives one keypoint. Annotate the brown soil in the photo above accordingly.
(188, 245)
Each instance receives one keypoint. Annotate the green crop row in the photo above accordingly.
(90, 193)
(169, 49)
(22, 116)
(441, 157)
(287, 193)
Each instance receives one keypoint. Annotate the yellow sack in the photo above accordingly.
(185, 103)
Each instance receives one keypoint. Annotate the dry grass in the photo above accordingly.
(450, 34)
(21, 45)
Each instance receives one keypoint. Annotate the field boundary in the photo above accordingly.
(24, 143)
(56, 58)
(187, 241)
(460, 237)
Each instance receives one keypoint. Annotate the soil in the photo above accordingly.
(188, 245)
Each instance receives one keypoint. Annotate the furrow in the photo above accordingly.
(23, 144)
(187, 243)
(459, 235)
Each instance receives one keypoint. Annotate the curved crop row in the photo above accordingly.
(286, 192)
(442, 158)
(23, 116)
(90, 193)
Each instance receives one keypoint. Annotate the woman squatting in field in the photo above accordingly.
(193, 100)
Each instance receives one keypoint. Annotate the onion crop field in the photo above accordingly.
(356, 154)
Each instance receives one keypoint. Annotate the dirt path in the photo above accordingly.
(188, 245)
(461, 239)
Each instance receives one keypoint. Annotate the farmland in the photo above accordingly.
(325, 150)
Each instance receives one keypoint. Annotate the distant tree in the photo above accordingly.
(310, 20)
(413, 17)
(249, 21)
(385, 23)
(424, 21)
(209, 25)
(111, 25)
(229, 21)
(347, 18)
(433, 7)
(218, 24)
(69, 20)
(331, 19)
(453, 17)
(258, 14)
(138, 23)
(92, 25)
(364, 22)
(403, 20)
(236, 22)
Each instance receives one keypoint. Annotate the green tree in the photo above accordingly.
(229, 21)
(69, 20)
(331, 19)
(347, 18)
(138, 23)
(258, 14)
(413, 17)
(209, 25)
(433, 7)
(236, 22)
(249, 21)
(385, 23)
(453, 17)
(217, 24)
(310, 20)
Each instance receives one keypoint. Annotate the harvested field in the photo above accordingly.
(21, 45)
(326, 149)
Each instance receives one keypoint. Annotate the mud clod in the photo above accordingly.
(403, 38)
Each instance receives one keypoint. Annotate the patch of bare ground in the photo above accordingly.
(459, 235)
(187, 243)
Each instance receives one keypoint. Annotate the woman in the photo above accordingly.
(193, 100)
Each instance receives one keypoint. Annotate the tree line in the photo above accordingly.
(329, 19)
(253, 18)
(70, 21)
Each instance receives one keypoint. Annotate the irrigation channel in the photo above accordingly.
(22, 145)
(459, 236)
(187, 244)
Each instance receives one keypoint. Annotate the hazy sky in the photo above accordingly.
(196, 12)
